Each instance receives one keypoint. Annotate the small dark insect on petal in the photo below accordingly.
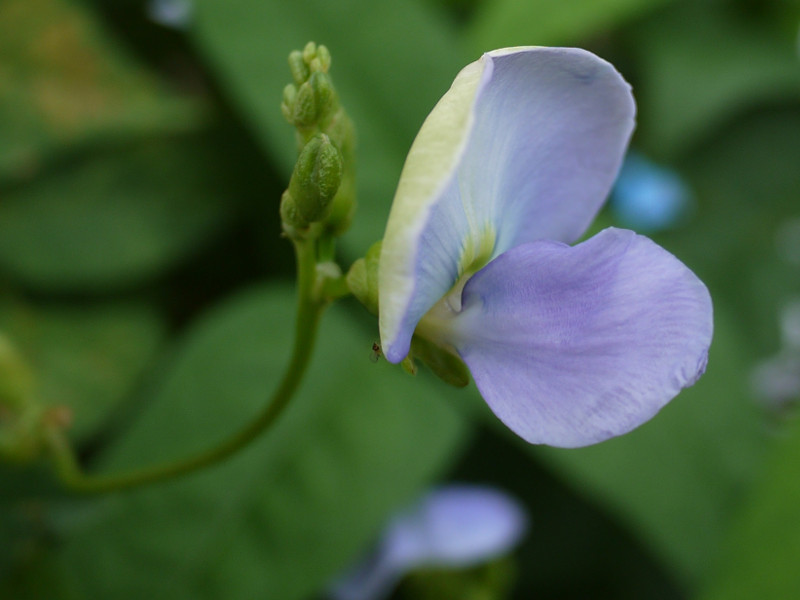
(376, 352)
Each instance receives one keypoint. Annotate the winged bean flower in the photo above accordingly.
(568, 345)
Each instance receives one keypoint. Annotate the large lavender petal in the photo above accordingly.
(524, 146)
(570, 346)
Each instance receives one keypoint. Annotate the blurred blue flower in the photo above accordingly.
(569, 346)
(456, 526)
(171, 13)
(776, 380)
(649, 197)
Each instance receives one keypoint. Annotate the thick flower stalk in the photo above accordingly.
(569, 345)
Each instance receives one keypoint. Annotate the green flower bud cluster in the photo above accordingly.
(21, 417)
(311, 104)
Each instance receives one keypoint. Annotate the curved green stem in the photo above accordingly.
(309, 311)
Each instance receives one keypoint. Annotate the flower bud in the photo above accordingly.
(324, 94)
(304, 109)
(309, 52)
(324, 58)
(289, 94)
(317, 58)
(362, 279)
(290, 218)
(298, 67)
(314, 183)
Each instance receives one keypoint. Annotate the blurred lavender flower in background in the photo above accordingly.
(776, 380)
(648, 197)
(457, 526)
(176, 14)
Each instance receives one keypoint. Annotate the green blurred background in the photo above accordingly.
(144, 279)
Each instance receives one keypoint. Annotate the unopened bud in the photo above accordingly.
(304, 110)
(309, 52)
(323, 58)
(289, 93)
(290, 218)
(298, 67)
(287, 105)
(324, 94)
(314, 183)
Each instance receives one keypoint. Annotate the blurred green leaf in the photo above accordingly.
(704, 63)
(116, 218)
(282, 517)
(391, 63)
(63, 82)
(675, 480)
(87, 359)
(505, 23)
(747, 184)
(23, 552)
(760, 556)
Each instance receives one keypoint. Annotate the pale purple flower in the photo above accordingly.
(568, 345)
(457, 526)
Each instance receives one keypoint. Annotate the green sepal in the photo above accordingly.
(445, 364)
(409, 366)
(362, 279)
